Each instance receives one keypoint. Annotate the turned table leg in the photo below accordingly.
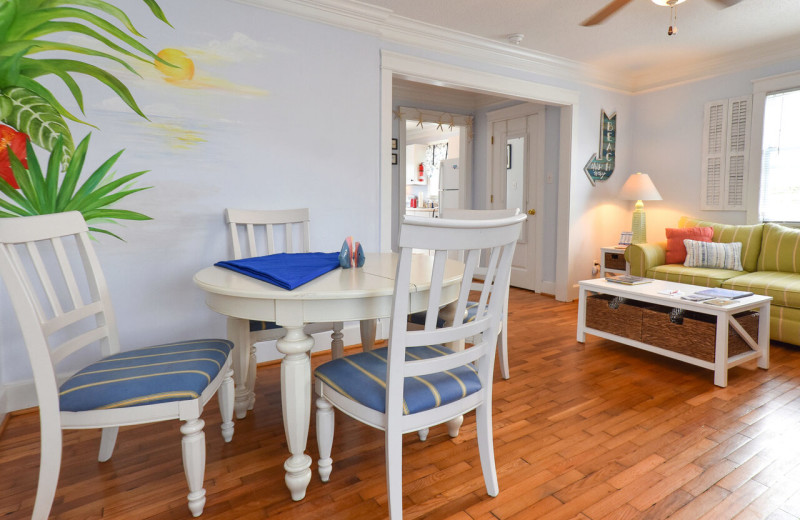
(296, 405)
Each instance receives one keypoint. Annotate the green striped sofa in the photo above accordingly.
(771, 262)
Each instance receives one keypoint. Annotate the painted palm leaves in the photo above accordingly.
(26, 27)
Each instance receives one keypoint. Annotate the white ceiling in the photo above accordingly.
(632, 43)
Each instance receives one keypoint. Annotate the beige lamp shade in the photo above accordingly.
(639, 187)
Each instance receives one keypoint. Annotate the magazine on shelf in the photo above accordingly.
(694, 297)
(728, 294)
(627, 279)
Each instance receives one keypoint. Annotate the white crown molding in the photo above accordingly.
(384, 24)
(361, 17)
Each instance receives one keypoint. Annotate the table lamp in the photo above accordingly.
(639, 187)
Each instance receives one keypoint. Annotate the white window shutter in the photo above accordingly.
(726, 140)
(738, 152)
(714, 149)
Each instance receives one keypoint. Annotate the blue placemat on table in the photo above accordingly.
(287, 270)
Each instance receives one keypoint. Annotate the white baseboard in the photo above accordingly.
(3, 405)
(20, 395)
(548, 287)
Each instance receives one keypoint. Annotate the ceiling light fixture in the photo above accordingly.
(668, 3)
(673, 13)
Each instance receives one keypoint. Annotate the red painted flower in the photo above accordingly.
(17, 141)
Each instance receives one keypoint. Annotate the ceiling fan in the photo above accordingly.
(615, 5)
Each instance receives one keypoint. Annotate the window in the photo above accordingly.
(780, 158)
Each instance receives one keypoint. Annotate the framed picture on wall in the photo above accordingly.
(394, 144)
(394, 158)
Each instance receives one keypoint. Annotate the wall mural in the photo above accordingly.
(601, 165)
(31, 115)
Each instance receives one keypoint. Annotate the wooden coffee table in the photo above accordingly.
(650, 293)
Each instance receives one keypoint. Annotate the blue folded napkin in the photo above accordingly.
(287, 270)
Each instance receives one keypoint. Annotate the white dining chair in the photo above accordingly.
(62, 303)
(266, 232)
(416, 382)
(475, 214)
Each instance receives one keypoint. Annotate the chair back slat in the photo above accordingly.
(435, 292)
(440, 364)
(44, 277)
(466, 239)
(66, 271)
(62, 351)
(268, 231)
(68, 318)
(252, 248)
(237, 247)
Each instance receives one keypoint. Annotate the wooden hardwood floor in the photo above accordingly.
(594, 431)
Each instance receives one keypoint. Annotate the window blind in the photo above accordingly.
(779, 199)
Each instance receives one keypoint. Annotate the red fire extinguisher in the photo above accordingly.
(421, 173)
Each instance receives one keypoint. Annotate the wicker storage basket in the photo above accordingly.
(615, 261)
(623, 318)
(696, 335)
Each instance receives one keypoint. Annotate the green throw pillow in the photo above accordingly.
(780, 249)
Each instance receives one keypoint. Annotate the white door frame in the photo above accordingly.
(534, 171)
(443, 74)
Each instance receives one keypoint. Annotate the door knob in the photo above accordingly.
(531, 212)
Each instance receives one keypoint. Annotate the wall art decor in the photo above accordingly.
(601, 164)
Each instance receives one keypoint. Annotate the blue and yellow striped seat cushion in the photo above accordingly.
(263, 325)
(172, 372)
(362, 378)
(418, 318)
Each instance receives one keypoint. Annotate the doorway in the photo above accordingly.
(431, 72)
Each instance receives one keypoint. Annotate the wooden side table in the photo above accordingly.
(612, 261)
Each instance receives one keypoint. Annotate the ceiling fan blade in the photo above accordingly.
(602, 14)
(726, 3)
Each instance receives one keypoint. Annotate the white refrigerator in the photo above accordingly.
(449, 184)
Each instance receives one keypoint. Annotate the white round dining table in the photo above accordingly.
(355, 294)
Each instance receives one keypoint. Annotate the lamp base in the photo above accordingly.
(639, 225)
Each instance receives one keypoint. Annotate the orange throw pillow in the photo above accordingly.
(676, 251)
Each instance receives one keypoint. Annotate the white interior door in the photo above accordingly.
(517, 162)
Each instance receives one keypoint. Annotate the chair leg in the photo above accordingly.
(394, 472)
(251, 378)
(483, 419)
(49, 467)
(423, 434)
(454, 425)
(337, 345)
(503, 351)
(108, 440)
(325, 426)
(368, 330)
(225, 396)
(504, 372)
(193, 446)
